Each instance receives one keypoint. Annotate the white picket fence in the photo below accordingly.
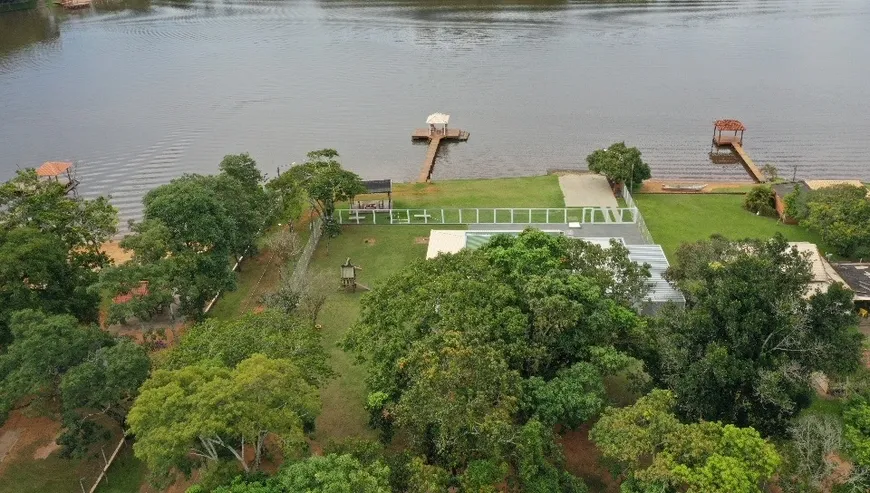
(509, 215)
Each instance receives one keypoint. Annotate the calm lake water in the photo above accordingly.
(139, 92)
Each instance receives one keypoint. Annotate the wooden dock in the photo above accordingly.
(736, 143)
(748, 163)
(435, 139)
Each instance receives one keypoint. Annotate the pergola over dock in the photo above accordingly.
(438, 123)
(58, 171)
(720, 126)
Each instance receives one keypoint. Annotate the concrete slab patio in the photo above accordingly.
(586, 190)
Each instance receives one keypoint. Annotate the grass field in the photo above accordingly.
(533, 191)
(379, 251)
(258, 275)
(676, 219)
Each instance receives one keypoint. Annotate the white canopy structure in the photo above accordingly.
(438, 122)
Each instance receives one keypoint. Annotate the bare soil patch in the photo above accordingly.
(115, 252)
(21, 434)
(44, 451)
(370, 241)
(421, 240)
(583, 460)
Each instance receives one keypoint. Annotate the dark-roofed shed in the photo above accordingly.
(857, 276)
(378, 186)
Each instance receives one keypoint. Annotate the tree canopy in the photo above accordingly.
(744, 348)
(202, 412)
(45, 347)
(620, 164)
(270, 333)
(325, 183)
(840, 214)
(92, 372)
(192, 229)
(464, 349)
(658, 453)
(50, 249)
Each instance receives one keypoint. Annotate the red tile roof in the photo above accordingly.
(53, 168)
(728, 125)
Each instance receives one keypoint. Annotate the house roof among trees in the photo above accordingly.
(857, 277)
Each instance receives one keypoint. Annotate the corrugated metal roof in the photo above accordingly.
(452, 241)
(378, 186)
(653, 255)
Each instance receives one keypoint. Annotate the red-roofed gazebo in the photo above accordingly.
(735, 126)
(58, 171)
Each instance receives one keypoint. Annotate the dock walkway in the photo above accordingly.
(435, 139)
(748, 163)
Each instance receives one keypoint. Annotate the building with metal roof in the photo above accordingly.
(443, 241)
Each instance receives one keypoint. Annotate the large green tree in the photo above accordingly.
(90, 372)
(50, 249)
(270, 333)
(326, 184)
(107, 381)
(205, 412)
(659, 453)
(840, 214)
(192, 228)
(83, 225)
(751, 334)
(523, 327)
(36, 273)
(45, 348)
(240, 183)
(620, 164)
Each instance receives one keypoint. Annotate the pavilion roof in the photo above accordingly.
(438, 119)
(378, 186)
(728, 125)
(53, 168)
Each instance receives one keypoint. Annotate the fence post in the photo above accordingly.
(478, 216)
(548, 216)
(512, 216)
(443, 218)
(460, 216)
(565, 220)
(530, 216)
(495, 216)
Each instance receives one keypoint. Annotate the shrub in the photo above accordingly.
(761, 200)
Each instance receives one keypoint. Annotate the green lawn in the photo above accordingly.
(379, 251)
(743, 189)
(533, 191)
(675, 219)
(126, 474)
(55, 474)
(259, 275)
